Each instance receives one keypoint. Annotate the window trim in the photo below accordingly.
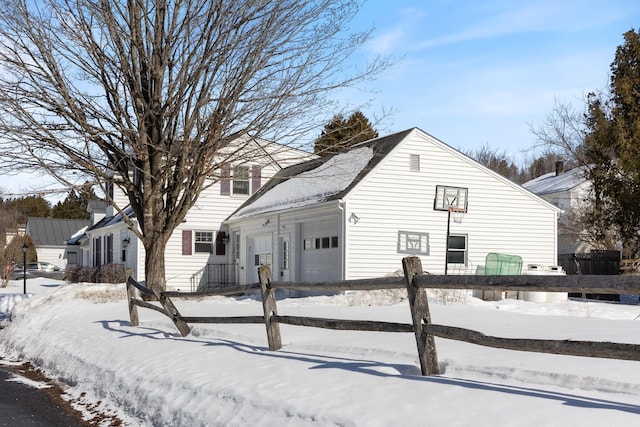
(464, 251)
(198, 240)
(320, 242)
(243, 183)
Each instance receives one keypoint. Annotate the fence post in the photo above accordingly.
(419, 305)
(173, 313)
(134, 320)
(270, 308)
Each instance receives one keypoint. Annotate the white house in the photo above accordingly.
(357, 214)
(199, 241)
(49, 236)
(569, 191)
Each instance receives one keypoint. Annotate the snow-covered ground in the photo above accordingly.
(223, 375)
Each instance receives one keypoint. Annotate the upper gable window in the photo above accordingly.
(414, 162)
(240, 180)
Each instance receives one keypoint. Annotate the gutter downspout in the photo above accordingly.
(342, 206)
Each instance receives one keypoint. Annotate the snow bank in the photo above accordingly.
(224, 375)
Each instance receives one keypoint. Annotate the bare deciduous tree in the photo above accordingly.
(562, 133)
(562, 136)
(150, 94)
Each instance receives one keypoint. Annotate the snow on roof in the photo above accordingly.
(313, 186)
(73, 240)
(552, 183)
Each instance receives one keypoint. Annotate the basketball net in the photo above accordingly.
(457, 214)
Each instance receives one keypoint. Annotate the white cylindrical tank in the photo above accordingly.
(536, 269)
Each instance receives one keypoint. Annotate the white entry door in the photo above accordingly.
(259, 253)
(285, 258)
(320, 251)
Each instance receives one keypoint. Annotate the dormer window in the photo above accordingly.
(240, 179)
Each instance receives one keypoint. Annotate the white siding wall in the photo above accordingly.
(53, 255)
(208, 214)
(574, 199)
(250, 230)
(120, 199)
(501, 218)
(288, 225)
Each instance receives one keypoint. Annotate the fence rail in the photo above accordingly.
(416, 283)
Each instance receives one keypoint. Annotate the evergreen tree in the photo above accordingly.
(75, 205)
(35, 206)
(340, 133)
(613, 147)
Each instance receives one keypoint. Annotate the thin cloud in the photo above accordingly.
(503, 19)
(389, 40)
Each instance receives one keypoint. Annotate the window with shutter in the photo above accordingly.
(203, 241)
(241, 180)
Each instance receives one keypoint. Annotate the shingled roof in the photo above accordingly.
(327, 178)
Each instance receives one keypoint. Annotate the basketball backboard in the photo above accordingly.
(447, 196)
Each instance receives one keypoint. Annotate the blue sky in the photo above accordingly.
(475, 73)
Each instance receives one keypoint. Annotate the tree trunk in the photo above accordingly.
(154, 265)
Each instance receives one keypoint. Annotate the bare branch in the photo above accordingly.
(148, 95)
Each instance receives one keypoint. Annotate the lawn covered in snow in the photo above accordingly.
(224, 375)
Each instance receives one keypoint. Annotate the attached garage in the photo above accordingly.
(320, 251)
(356, 214)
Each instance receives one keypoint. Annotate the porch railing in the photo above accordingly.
(214, 276)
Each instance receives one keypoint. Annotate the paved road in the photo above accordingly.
(22, 405)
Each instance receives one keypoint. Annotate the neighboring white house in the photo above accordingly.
(49, 236)
(569, 191)
(77, 251)
(357, 214)
(199, 241)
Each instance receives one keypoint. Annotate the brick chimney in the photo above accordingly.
(559, 167)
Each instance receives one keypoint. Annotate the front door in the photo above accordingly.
(258, 253)
(285, 260)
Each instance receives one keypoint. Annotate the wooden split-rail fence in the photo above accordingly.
(416, 283)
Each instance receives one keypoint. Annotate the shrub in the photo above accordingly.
(73, 272)
(111, 273)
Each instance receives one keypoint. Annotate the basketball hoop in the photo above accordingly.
(457, 214)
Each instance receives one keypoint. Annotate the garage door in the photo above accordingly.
(320, 258)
